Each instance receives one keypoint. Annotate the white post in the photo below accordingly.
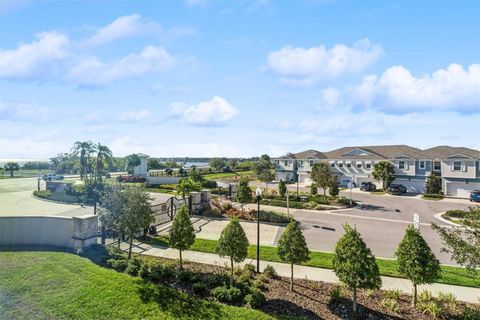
(288, 197)
(416, 221)
(350, 186)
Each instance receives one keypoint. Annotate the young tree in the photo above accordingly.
(154, 164)
(233, 243)
(416, 260)
(433, 185)
(187, 185)
(132, 161)
(292, 247)
(313, 189)
(196, 175)
(463, 243)
(263, 170)
(282, 188)
(10, 167)
(383, 171)
(182, 233)
(2, 171)
(333, 186)
(217, 163)
(244, 194)
(354, 263)
(321, 175)
(126, 210)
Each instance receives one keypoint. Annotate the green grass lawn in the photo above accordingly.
(449, 275)
(56, 285)
(222, 175)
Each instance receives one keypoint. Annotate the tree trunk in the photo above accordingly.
(181, 264)
(414, 298)
(231, 274)
(11, 173)
(291, 277)
(355, 300)
(325, 192)
(130, 246)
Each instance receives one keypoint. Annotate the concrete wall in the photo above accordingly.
(71, 233)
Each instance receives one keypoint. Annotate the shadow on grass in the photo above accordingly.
(178, 304)
(342, 308)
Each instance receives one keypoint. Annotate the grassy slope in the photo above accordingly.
(213, 176)
(45, 285)
(450, 275)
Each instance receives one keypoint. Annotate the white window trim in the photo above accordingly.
(461, 166)
(422, 164)
(401, 165)
(439, 167)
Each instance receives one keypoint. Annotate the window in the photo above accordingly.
(301, 162)
(437, 166)
(340, 165)
(422, 164)
(457, 166)
(359, 165)
(286, 162)
(369, 165)
(277, 161)
(349, 165)
(401, 164)
(332, 164)
(311, 163)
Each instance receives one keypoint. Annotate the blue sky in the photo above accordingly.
(237, 78)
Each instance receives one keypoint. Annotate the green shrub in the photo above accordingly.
(449, 299)
(345, 201)
(336, 293)
(256, 299)
(185, 276)
(391, 304)
(471, 313)
(215, 280)
(433, 196)
(259, 284)
(133, 267)
(159, 272)
(274, 217)
(432, 308)
(456, 213)
(393, 294)
(118, 264)
(231, 295)
(144, 271)
(425, 297)
(199, 288)
(209, 184)
(44, 194)
(270, 272)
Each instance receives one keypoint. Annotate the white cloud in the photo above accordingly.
(134, 116)
(331, 98)
(217, 111)
(19, 111)
(34, 59)
(93, 72)
(306, 66)
(398, 91)
(123, 27)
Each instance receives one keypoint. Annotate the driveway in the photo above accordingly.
(16, 199)
(382, 221)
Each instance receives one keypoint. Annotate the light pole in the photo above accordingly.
(258, 193)
(288, 207)
(38, 183)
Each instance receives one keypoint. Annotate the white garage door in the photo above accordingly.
(415, 186)
(460, 189)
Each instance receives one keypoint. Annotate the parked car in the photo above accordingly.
(344, 183)
(368, 186)
(475, 195)
(53, 177)
(397, 189)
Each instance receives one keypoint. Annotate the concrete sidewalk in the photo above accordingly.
(466, 294)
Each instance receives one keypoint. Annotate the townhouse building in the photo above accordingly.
(459, 167)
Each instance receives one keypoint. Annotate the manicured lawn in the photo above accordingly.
(378, 192)
(450, 275)
(426, 197)
(56, 285)
(222, 175)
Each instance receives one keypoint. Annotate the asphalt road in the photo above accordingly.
(382, 221)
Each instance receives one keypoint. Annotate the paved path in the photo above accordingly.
(302, 272)
(16, 200)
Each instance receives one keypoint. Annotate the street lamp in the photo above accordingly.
(38, 183)
(258, 193)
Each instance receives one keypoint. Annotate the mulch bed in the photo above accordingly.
(311, 299)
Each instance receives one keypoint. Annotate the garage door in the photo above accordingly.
(415, 186)
(461, 190)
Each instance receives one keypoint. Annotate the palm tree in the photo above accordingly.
(104, 155)
(83, 150)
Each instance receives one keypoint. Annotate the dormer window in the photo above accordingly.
(311, 163)
(359, 165)
(286, 163)
(401, 165)
(437, 166)
(457, 166)
(368, 165)
(340, 165)
(349, 165)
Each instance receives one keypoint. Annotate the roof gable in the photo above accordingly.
(357, 152)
